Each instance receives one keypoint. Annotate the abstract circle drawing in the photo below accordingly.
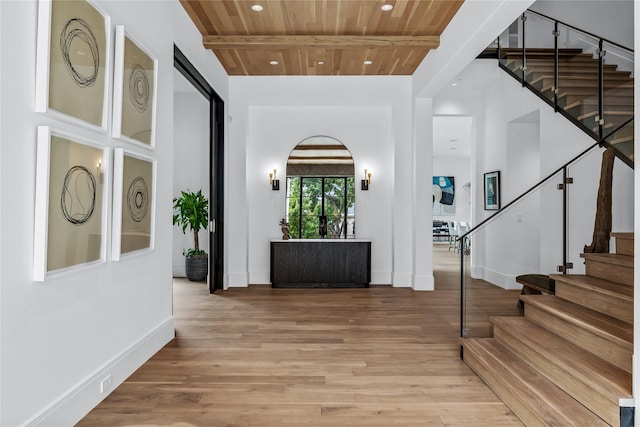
(138, 199)
(78, 198)
(139, 88)
(77, 32)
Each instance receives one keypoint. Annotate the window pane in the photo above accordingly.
(351, 207)
(311, 207)
(293, 206)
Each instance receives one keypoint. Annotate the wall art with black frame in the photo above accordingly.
(492, 191)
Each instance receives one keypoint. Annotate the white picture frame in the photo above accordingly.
(71, 204)
(135, 82)
(73, 62)
(133, 218)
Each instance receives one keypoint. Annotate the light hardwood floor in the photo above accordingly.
(280, 357)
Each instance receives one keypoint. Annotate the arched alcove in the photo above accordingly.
(320, 190)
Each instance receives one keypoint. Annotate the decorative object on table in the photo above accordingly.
(70, 224)
(492, 191)
(133, 203)
(73, 61)
(134, 91)
(191, 211)
(284, 226)
(443, 192)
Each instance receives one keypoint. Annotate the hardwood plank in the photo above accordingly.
(259, 356)
(610, 298)
(535, 400)
(592, 381)
(614, 267)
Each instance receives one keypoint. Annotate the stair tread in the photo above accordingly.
(607, 379)
(608, 327)
(548, 401)
(614, 259)
(622, 234)
(596, 284)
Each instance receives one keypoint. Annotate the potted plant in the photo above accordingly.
(191, 210)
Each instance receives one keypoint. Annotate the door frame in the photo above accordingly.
(216, 167)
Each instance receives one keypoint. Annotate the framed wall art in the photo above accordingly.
(444, 193)
(133, 203)
(134, 98)
(492, 191)
(71, 202)
(72, 65)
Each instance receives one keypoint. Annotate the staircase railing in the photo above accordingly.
(541, 231)
(583, 76)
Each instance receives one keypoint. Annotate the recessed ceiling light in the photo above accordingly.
(453, 140)
(320, 62)
(454, 84)
(386, 7)
(257, 8)
(273, 62)
(367, 62)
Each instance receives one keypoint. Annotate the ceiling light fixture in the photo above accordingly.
(367, 62)
(273, 62)
(320, 62)
(454, 84)
(386, 7)
(257, 8)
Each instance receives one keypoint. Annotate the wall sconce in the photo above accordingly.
(275, 183)
(99, 171)
(364, 184)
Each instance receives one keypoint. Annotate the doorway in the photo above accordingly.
(215, 155)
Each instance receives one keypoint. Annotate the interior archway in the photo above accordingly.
(320, 190)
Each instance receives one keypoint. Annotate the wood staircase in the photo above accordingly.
(578, 89)
(567, 362)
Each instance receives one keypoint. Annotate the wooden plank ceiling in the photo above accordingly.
(321, 37)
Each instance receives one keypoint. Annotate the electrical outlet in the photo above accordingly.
(105, 384)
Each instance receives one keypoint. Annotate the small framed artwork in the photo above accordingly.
(492, 191)
(134, 91)
(133, 204)
(72, 65)
(71, 202)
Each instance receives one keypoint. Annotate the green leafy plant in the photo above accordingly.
(191, 211)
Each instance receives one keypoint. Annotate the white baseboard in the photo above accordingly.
(238, 280)
(260, 277)
(77, 402)
(381, 278)
(504, 281)
(179, 270)
(423, 283)
(401, 280)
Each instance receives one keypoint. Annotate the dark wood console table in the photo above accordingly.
(321, 263)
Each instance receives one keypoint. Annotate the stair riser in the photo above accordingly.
(594, 401)
(615, 273)
(624, 246)
(504, 390)
(613, 352)
(611, 305)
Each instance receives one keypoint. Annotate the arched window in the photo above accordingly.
(321, 190)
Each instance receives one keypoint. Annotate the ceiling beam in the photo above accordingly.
(320, 41)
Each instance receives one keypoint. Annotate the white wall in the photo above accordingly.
(611, 19)
(190, 163)
(371, 116)
(508, 117)
(60, 338)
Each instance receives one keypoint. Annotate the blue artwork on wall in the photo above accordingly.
(444, 193)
